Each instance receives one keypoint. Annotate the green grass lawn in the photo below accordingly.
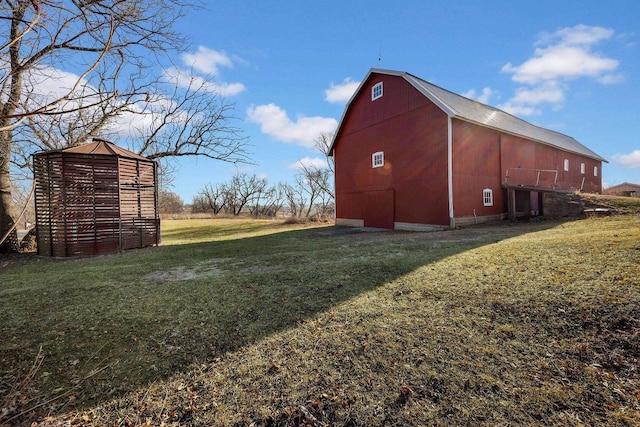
(234, 322)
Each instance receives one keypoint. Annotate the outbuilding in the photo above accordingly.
(625, 189)
(93, 199)
(411, 155)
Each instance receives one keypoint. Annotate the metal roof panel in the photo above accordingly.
(460, 107)
(473, 111)
(103, 147)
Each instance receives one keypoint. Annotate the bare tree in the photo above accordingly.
(309, 188)
(212, 197)
(243, 190)
(316, 182)
(295, 199)
(116, 44)
(323, 144)
(169, 202)
(23, 199)
(313, 193)
(166, 173)
(199, 204)
(267, 203)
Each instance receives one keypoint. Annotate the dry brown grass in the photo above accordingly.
(533, 324)
(616, 204)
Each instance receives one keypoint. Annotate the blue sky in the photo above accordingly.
(290, 67)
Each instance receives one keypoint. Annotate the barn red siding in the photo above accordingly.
(482, 158)
(412, 187)
(412, 133)
(476, 166)
(518, 152)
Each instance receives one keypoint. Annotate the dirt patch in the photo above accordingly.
(172, 276)
(203, 271)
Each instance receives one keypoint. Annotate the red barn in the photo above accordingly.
(411, 155)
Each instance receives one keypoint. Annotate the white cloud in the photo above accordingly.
(275, 122)
(185, 79)
(471, 94)
(341, 92)
(207, 60)
(314, 162)
(631, 160)
(549, 92)
(519, 110)
(527, 101)
(578, 35)
(484, 97)
(565, 54)
(53, 83)
(559, 57)
(611, 79)
(566, 62)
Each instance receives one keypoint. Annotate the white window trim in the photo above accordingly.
(583, 168)
(380, 156)
(374, 88)
(487, 197)
(595, 171)
(566, 165)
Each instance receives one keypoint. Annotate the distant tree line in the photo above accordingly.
(311, 194)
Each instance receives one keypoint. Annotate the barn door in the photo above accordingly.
(378, 209)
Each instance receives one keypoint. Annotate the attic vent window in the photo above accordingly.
(377, 159)
(487, 197)
(376, 91)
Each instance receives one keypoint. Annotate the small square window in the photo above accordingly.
(376, 91)
(377, 159)
(487, 197)
(582, 168)
(595, 171)
(566, 165)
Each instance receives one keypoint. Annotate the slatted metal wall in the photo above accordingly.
(94, 204)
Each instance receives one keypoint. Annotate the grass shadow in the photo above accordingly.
(111, 324)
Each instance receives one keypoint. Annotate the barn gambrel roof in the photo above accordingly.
(460, 107)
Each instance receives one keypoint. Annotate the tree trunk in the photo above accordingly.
(6, 134)
(6, 201)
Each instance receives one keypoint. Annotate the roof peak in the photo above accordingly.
(101, 146)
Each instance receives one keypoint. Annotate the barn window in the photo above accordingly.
(487, 197)
(566, 165)
(582, 168)
(595, 171)
(376, 91)
(377, 159)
